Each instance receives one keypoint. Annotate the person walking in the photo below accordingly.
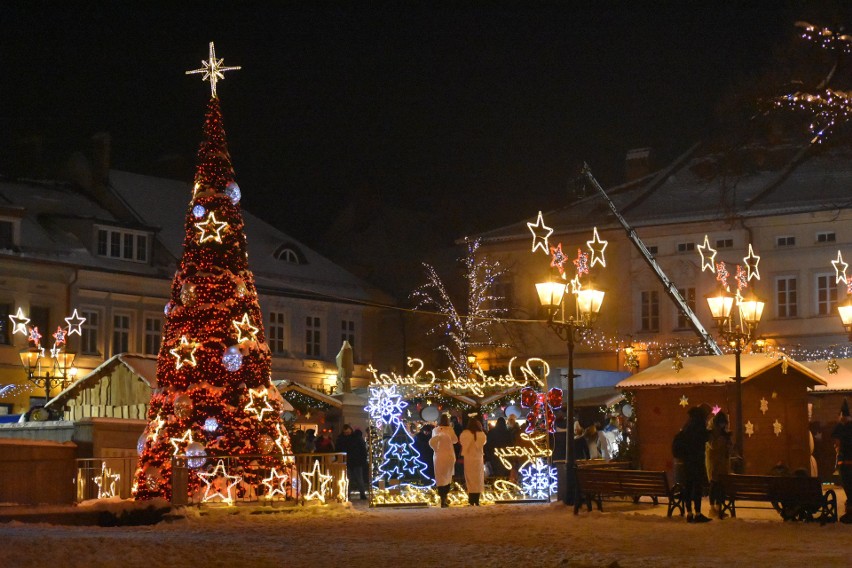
(689, 447)
(443, 443)
(842, 435)
(718, 461)
(472, 441)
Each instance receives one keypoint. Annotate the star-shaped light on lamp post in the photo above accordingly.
(597, 246)
(19, 322)
(839, 269)
(751, 262)
(213, 70)
(708, 255)
(540, 233)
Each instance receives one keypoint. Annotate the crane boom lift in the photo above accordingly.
(668, 285)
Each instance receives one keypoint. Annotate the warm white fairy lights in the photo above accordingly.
(184, 353)
(245, 330)
(317, 483)
(258, 403)
(276, 484)
(211, 229)
(106, 482)
(213, 70)
(219, 484)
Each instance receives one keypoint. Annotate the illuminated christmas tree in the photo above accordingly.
(402, 463)
(214, 395)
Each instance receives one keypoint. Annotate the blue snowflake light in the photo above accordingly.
(199, 211)
(232, 190)
(232, 359)
(538, 480)
(385, 405)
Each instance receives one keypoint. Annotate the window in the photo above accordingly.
(7, 235)
(313, 327)
(40, 318)
(123, 244)
(120, 333)
(826, 237)
(153, 334)
(786, 241)
(826, 289)
(685, 247)
(5, 324)
(503, 289)
(277, 333)
(724, 243)
(650, 310)
(89, 332)
(347, 332)
(786, 297)
(290, 253)
(687, 294)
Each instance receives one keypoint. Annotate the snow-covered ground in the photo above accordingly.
(624, 535)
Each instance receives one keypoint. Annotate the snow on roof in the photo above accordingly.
(284, 386)
(163, 203)
(711, 369)
(838, 382)
(143, 366)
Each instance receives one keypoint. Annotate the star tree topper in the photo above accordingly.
(213, 70)
(540, 233)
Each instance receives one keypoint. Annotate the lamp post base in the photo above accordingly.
(568, 489)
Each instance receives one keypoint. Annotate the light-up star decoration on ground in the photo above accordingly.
(19, 322)
(540, 233)
(184, 353)
(749, 428)
(839, 269)
(538, 480)
(317, 482)
(751, 262)
(211, 229)
(276, 484)
(245, 330)
(385, 405)
(708, 255)
(219, 484)
(75, 323)
(106, 482)
(258, 403)
(597, 246)
(558, 258)
(213, 70)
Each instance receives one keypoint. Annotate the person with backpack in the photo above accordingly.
(688, 446)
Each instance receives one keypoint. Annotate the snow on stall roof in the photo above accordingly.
(143, 366)
(710, 369)
(163, 203)
(839, 382)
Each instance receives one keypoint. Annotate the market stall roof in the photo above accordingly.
(286, 386)
(838, 382)
(712, 369)
(597, 396)
(143, 367)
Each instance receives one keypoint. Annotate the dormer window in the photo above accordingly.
(123, 244)
(290, 254)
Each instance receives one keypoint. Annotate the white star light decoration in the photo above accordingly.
(282, 441)
(255, 396)
(751, 262)
(343, 488)
(540, 233)
(597, 246)
(839, 269)
(19, 322)
(385, 405)
(211, 229)
(276, 484)
(245, 330)
(708, 255)
(318, 479)
(106, 482)
(538, 480)
(75, 323)
(186, 439)
(184, 353)
(218, 481)
(213, 70)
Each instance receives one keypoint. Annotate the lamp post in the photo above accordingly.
(62, 368)
(845, 311)
(570, 323)
(738, 336)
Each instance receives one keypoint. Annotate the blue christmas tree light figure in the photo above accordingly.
(402, 461)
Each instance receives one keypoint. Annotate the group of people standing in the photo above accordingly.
(471, 441)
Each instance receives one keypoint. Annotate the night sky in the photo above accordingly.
(481, 114)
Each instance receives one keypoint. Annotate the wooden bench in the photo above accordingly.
(594, 483)
(795, 498)
(603, 464)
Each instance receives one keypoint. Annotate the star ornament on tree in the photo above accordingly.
(317, 482)
(219, 484)
(211, 229)
(597, 246)
(75, 323)
(751, 262)
(184, 353)
(839, 269)
(19, 322)
(186, 440)
(245, 330)
(540, 233)
(213, 70)
(558, 258)
(255, 396)
(708, 255)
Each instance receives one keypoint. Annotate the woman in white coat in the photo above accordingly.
(442, 442)
(472, 441)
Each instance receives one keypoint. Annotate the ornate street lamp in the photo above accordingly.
(570, 322)
(44, 372)
(738, 336)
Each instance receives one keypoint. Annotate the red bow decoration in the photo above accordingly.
(541, 407)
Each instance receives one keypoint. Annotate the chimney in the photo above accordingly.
(637, 164)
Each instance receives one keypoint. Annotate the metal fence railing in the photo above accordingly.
(268, 479)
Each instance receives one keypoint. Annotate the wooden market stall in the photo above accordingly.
(775, 407)
(824, 408)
